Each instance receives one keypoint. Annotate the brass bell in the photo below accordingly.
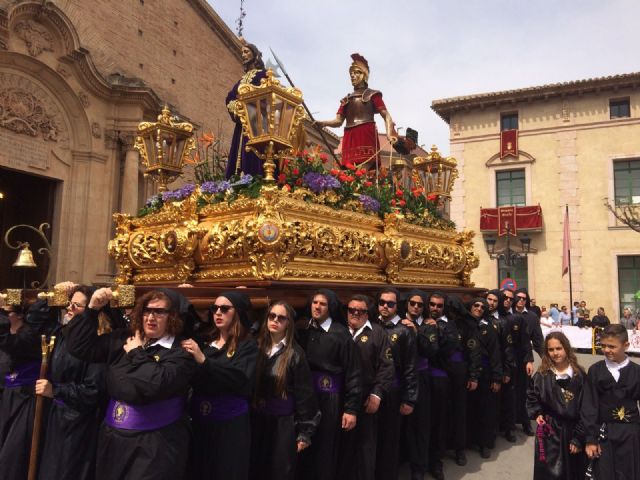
(25, 257)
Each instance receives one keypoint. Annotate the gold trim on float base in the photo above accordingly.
(277, 237)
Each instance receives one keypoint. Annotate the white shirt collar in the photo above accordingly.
(419, 321)
(277, 347)
(495, 314)
(395, 319)
(166, 341)
(443, 318)
(361, 329)
(615, 367)
(568, 373)
(324, 325)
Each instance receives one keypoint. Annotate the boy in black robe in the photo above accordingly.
(611, 396)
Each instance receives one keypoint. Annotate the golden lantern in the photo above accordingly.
(438, 173)
(270, 115)
(163, 147)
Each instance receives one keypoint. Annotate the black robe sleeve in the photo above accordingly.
(307, 414)
(495, 357)
(23, 346)
(427, 341)
(589, 409)
(83, 338)
(524, 338)
(352, 377)
(472, 351)
(410, 379)
(232, 372)
(85, 394)
(385, 373)
(508, 354)
(534, 395)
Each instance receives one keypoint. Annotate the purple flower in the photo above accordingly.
(179, 194)
(369, 204)
(319, 182)
(215, 187)
(244, 180)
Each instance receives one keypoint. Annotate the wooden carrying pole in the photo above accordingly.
(37, 421)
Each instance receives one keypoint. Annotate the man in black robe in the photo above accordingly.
(335, 368)
(359, 446)
(402, 398)
(417, 426)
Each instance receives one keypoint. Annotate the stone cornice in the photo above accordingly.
(447, 106)
(211, 18)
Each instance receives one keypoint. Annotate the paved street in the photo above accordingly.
(508, 461)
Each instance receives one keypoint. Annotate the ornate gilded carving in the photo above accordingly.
(22, 112)
(279, 237)
(35, 36)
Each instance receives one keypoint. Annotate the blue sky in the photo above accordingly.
(430, 49)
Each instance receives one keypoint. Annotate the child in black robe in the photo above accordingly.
(553, 401)
(610, 400)
(285, 413)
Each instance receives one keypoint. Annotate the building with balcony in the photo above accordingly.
(525, 155)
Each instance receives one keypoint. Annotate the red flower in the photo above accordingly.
(360, 172)
(403, 203)
(350, 178)
(342, 177)
(282, 178)
(399, 193)
(298, 182)
(351, 166)
(432, 197)
(393, 202)
(367, 183)
(324, 157)
(305, 153)
(295, 171)
(334, 171)
(286, 188)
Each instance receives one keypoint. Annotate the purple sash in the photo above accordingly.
(436, 372)
(217, 408)
(456, 357)
(144, 417)
(23, 375)
(422, 364)
(279, 407)
(324, 382)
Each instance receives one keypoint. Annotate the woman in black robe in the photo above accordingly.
(145, 433)
(222, 389)
(553, 401)
(76, 388)
(285, 413)
(20, 341)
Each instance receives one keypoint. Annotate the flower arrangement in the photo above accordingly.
(305, 176)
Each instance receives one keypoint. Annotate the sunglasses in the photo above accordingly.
(223, 308)
(75, 305)
(436, 305)
(509, 298)
(521, 298)
(158, 312)
(478, 305)
(356, 312)
(273, 316)
(382, 303)
(416, 304)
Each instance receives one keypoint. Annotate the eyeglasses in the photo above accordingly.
(478, 305)
(382, 303)
(508, 298)
(521, 298)
(416, 304)
(356, 312)
(273, 316)
(75, 306)
(158, 312)
(436, 305)
(222, 308)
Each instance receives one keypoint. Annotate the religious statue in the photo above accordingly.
(241, 161)
(360, 144)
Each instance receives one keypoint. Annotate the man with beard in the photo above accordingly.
(402, 398)
(240, 161)
(500, 322)
(358, 449)
(337, 379)
(417, 425)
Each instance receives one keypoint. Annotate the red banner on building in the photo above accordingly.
(526, 218)
(508, 143)
(507, 224)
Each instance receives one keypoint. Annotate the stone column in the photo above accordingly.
(129, 187)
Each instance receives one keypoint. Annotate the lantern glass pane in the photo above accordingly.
(264, 116)
(252, 111)
(150, 147)
(287, 120)
(180, 144)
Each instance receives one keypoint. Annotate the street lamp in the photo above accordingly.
(163, 147)
(270, 115)
(509, 256)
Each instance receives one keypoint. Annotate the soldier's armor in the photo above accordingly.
(359, 108)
